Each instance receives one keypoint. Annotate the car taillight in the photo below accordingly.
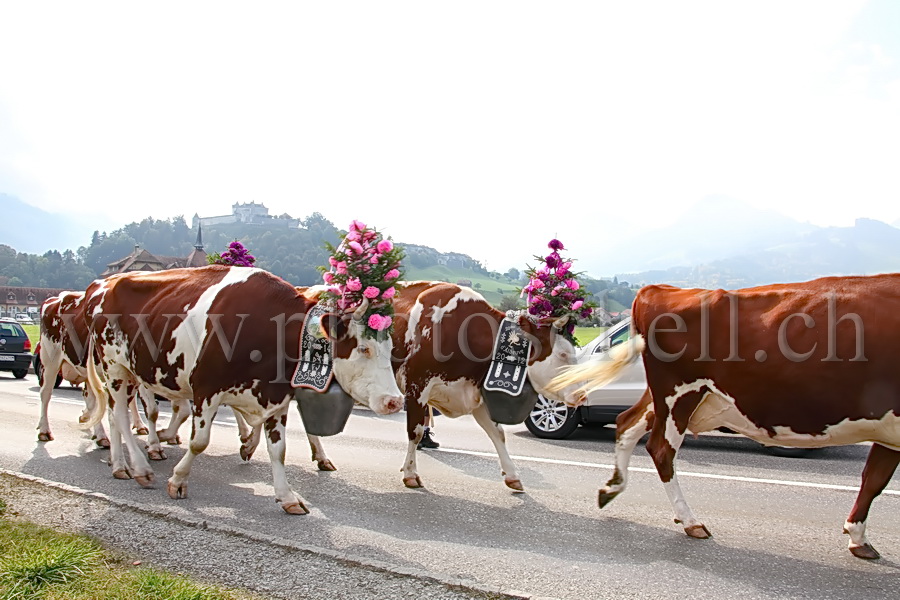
(27, 345)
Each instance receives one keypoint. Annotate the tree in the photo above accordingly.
(513, 274)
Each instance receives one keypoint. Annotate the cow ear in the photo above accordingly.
(334, 327)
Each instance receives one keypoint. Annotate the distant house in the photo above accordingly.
(14, 300)
(142, 260)
(464, 282)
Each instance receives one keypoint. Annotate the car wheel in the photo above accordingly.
(552, 420)
(20, 373)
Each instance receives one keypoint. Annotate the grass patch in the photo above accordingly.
(37, 563)
(34, 334)
(584, 335)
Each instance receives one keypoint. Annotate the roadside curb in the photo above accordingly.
(341, 557)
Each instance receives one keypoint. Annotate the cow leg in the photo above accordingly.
(290, 501)
(249, 436)
(136, 422)
(665, 440)
(318, 454)
(151, 409)
(180, 412)
(498, 438)
(121, 393)
(201, 428)
(879, 469)
(416, 418)
(117, 461)
(631, 426)
(99, 433)
(51, 359)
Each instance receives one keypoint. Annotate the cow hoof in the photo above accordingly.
(157, 455)
(699, 532)
(413, 482)
(865, 551)
(604, 497)
(121, 474)
(515, 485)
(45, 437)
(103, 443)
(145, 480)
(326, 465)
(175, 441)
(295, 508)
(247, 453)
(141, 431)
(177, 492)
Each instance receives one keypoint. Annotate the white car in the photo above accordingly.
(554, 420)
(24, 319)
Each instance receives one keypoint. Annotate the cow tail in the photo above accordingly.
(600, 371)
(97, 387)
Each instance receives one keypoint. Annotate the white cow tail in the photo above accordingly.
(600, 371)
(97, 388)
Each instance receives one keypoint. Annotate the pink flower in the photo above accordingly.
(553, 293)
(572, 284)
(389, 293)
(357, 225)
(536, 284)
(369, 235)
(332, 261)
(374, 260)
(328, 277)
(353, 236)
(354, 284)
(379, 322)
(356, 247)
(371, 292)
(385, 246)
(341, 268)
(577, 304)
(392, 274)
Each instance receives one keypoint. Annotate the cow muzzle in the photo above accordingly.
(386, 404)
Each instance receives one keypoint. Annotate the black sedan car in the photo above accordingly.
(15, 348)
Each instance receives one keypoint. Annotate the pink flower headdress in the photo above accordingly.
(236, 255)
(362, 272)
(553, 291)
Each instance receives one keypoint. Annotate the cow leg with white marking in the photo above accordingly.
(137, 423)
(498, 438)
(201, 429)
(180, 412)
(416, 419)
(51, 359)
(290, 501)
(99, 433)
(249, 436)
(665, 440)
(631, 426)
(151, 409)
(879, 469)
(120, 393)
(318, 454)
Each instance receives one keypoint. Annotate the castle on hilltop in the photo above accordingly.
(248, 213)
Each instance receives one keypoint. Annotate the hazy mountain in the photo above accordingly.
(30, 229)
(869, 246)
(715, 228)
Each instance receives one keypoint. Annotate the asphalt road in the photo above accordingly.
(776, 521)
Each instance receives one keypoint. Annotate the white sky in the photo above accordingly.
(479, 127)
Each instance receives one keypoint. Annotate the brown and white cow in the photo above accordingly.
(63, 348)
(443, 345)
(221, 335)
(806, 364)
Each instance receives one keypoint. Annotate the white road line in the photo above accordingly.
(575, 463)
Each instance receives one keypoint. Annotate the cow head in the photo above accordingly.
(550, 352)
(362, 365)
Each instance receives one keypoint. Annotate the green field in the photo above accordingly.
(492, 289)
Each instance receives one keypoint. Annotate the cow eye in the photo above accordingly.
(365, 351)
